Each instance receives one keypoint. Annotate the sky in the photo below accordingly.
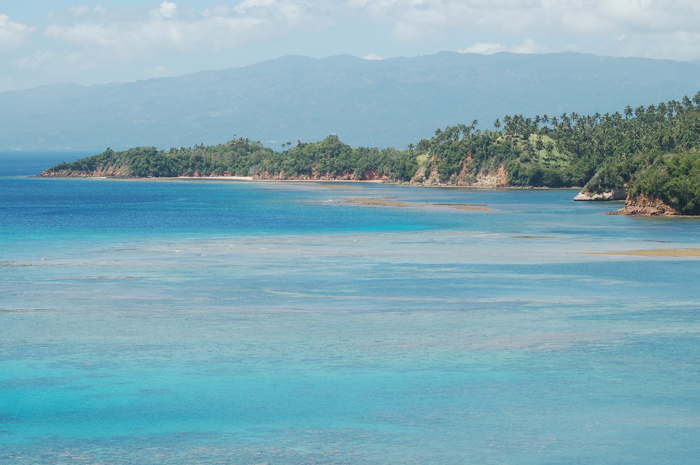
(56, 41)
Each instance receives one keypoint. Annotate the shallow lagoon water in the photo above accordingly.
(174, 322)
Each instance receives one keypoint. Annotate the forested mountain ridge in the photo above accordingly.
(651, 151)
(366, 103)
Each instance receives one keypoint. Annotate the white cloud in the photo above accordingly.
(485, 48)
(372, 57)
(166, 10)
(529, 45)
(12, 34)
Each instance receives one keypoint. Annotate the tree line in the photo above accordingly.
(651, 150)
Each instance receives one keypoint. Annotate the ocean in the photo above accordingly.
(292, 323)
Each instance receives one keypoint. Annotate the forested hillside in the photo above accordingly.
(651, 151)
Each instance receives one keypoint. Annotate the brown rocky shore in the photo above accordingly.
(642, 205)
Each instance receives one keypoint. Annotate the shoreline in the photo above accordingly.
(315, 181)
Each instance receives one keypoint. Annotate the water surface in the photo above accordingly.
(174, 322)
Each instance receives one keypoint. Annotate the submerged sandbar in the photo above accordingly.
(374, 202)
(654, 253)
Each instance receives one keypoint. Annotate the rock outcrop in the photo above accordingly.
(615, 194)
(643, 205)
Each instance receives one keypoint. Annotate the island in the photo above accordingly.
(648, 157)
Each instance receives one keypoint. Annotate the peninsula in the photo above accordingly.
(648, 156)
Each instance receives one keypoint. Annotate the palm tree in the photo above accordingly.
(662, 109)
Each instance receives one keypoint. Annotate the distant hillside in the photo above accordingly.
(370, 103)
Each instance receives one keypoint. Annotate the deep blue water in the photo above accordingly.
(175, 322)
(29, 163)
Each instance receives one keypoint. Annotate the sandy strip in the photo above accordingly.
(654, 253)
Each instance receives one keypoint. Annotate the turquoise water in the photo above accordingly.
(233, 322)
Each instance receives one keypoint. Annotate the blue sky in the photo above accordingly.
(44, 42)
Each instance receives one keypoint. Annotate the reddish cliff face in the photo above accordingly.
(486, 179)
(462, 176)
(497, 179)
(371, 175)
(642, 205)
(368, 175)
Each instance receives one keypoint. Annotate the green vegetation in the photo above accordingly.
(674, 178)
(652, 150)
(241, 157)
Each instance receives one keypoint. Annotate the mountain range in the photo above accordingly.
(391, 102)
